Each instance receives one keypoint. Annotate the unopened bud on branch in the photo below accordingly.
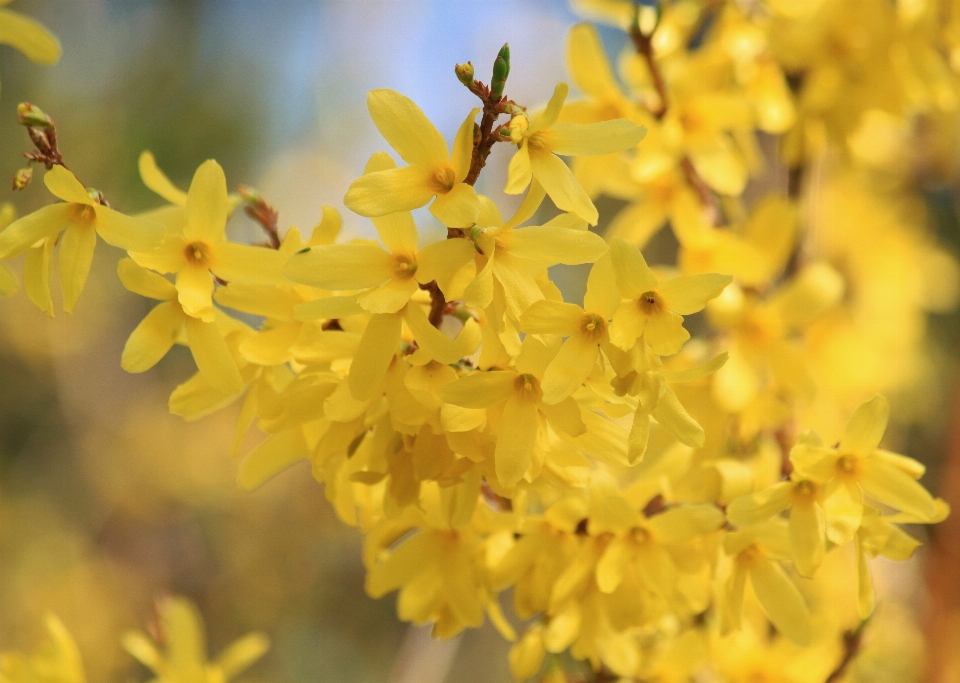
(465, 73)
(22, 178)
(501, 69)
(32, 116)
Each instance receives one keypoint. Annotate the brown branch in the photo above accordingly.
(438, 304)
(711, 205)
(495, 500)
(852, 644)
(485, 136)
(644, 46)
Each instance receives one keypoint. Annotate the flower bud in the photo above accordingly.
(501, 69)
(465, 73)
(32, 116)
(249, 195)
(22, 178)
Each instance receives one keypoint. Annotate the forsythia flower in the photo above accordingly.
(81, 218)
(185, 658)
(433, 171)
(539, 140)
(202, 251)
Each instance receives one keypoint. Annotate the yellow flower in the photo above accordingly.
(655, 309)
(755, 553)
(519, 391)
(28, 36)
(585, 329)
(541, 139)
(203, 251)
(806, 527)
(56, 661)
(859, 466)
(166, 324)
(432, 171)
(81, 218)
(184, 660)
(389, 278)
(514, 258)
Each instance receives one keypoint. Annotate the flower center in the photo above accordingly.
(847, 466)
(404, 267)
(197, 253)
(804, 491)
(650, 303)
(749, 555)
(640, 535)
(443, 180)
(84, 214)
(592, 326)
(527, 387)
(539, 142)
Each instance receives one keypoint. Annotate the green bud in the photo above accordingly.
(304, 250)
(22, 178)
(501, 69)
(32, 116)
(465, 73)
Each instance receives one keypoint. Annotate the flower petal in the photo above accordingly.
(458, 208)
(588, 63)
(893, 487)
(602, 295)
(592, 139)
(157, 180)
(463, 146)
(807, 537)
(404, 125)
(760, 506)
(570, 368)
(690, 294)
(341, 266)
(153, 337)
(665, 333)
(562, 187)
(212, 356)
(207, 204)
(139, 280)
(64, 185)
(126, 232)
(432, 341)
(866, 426)
(76, 255)
(552, 317)
(245, 263)
(385, 192)
(551, 112)
(195, 292)
(672, 416)
(634, 276)
(374, 355)
(389, 297)
(439, 260)
(557, 245)
(519, 171)
(28, 36)
(24, 232)
(781, 600)
(516, 441)
(480, 389)
(36, 275)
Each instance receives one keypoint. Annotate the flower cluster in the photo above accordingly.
(644, 495)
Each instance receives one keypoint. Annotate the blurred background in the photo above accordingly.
(106, 500)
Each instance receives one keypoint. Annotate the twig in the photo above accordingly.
(644, 45)
(852, 644)
(486, 136)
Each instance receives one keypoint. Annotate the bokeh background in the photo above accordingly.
(106, 500)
